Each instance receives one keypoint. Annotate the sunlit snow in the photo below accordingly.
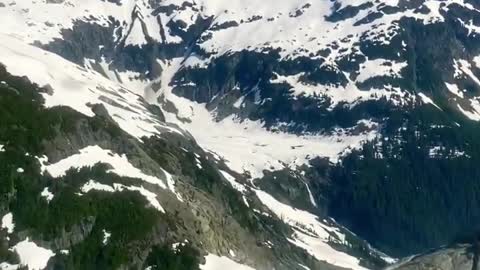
(78, 88)
(47, 194)
(247, 146)
(214, 262)
(7, 222)
(106, 237)
(32, 255)
(149, 196)
(315, 241)
(92, 155)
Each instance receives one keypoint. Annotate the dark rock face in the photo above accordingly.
(461, 257)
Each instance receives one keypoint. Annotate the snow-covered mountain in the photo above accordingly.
(264, 134)
(111, 125)
(316, 59)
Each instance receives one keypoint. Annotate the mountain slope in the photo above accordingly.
(117, 187)
(364, 111)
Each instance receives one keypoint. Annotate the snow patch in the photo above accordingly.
(472, 115)
(171, 184)
(453, 88)
(92, 185)
(47, 194)
(214, 262)
(149, 196)
(136, 36)
(337, 93)
(78, 88)
(465, 67)
(310, 195)
(32, 255)
(427, 100)
(315, 241)
(7, 266)
(106, 237)
(7, 223)
(380, 67)
(247, 146)
(92, 155)
(303, 266)
(233, 182)
(239, 102)
(476, 60)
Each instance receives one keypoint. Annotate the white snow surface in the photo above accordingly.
(7, 222)
(304, 38)
(378, 68)
(32, 255)
(92, 155)
(149, 196)
(425, 99)
(7, 266)
(258, 24)
(214, 262)
(453, 88)
(47, 194)
(77, 87)
(247, 146)
(349, 93)
(233, 182)
(463, 68)
(106, 237)
(476, 60)
(43, 21)
(310, 233)
(471, 113)
(93, 185)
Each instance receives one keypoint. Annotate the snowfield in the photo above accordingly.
(214, 262)
(246, 146)
(7, 223)
(78, 88)
(43, 21)
(92, 155)
(31, 255)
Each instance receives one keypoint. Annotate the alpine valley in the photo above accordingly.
(239, 134)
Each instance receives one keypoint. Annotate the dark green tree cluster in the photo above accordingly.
(25, 127)
(416, 187)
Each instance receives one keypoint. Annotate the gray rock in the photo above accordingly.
(461, 257)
